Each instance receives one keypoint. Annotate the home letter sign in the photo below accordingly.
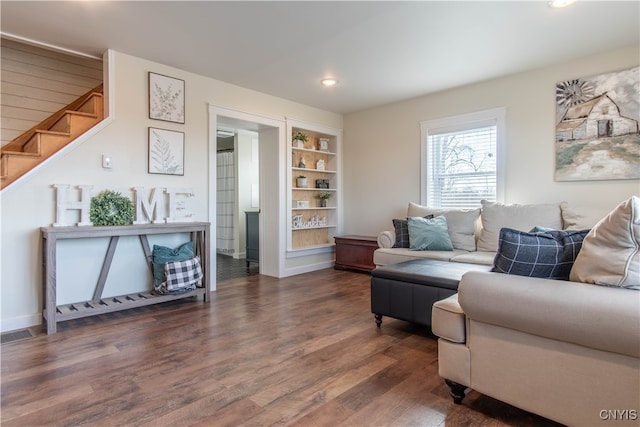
(63, 205)
(148, 207)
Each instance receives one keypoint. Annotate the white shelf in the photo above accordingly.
(312, 170)
(313, 228)
(305, 241)
(315, 208)
(308, 150)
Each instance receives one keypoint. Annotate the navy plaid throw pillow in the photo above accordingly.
(182, 276)
(402, 233)
(548, 254)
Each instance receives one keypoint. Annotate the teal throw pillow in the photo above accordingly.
(429, 234)
(163, 255)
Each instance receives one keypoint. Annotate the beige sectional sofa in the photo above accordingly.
(568, 350)
(474, 232)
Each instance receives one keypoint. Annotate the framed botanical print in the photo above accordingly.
(166, 152)
(166, 98)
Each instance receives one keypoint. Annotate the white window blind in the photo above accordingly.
(460, 164)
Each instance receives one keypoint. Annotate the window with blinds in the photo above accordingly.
(460, 161)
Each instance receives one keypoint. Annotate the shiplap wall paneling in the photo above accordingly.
(38, 82)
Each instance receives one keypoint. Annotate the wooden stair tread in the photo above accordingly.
(19, 153)
(52, 132)
(61, 128)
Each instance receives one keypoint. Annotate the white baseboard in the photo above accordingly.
(307, 268)
(21, 322)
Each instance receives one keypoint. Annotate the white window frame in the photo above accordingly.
(461, 122)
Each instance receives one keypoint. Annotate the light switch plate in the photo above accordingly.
(106, 161)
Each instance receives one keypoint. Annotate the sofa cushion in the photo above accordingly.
(386, 256)
(548, 254)
(518, 217)
(429, 234)
(448, 320)
(477, 257)
(461, 223)
(592, 316)
(610, 253)
(581, 217)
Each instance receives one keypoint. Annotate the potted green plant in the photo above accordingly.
(324, 196)
(299, 138)
(301, 181)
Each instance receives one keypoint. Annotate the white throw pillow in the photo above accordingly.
(581, 217)
(610, 253)
(518, 217)
(461, 223)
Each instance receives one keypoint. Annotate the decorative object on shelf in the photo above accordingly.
(111, 208)
(299, 138)
(166, 152)
(324, 196)
(322, 183)
(301, 181)
(320, 165)
(301, 204)
(302, 163)
(314, 222)
(323, 144)
(166, 98)
(297, 221)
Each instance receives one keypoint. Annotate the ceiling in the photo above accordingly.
(381, 52)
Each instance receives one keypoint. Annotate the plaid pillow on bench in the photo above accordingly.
(182, 276)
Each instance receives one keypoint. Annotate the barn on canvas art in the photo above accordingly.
(598, 127)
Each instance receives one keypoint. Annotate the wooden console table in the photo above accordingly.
(53, 313)
(355, 252)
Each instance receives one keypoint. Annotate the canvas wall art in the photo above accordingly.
(597, 127)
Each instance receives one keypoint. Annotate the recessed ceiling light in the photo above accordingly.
(329, 82)
(560, 3)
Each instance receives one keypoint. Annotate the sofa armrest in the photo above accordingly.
(386, 239)
(593, 316)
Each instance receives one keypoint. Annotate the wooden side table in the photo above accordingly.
(355, 252)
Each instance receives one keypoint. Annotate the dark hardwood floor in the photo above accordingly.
(229, 268)
(299, 351)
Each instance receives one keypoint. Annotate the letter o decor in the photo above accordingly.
(111, 208)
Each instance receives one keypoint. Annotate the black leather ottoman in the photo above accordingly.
(408, 290)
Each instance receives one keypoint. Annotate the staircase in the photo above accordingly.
(39, 143)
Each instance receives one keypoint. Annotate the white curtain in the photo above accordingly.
(225, 203)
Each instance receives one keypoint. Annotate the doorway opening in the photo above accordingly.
(255, 194)
(237, 203)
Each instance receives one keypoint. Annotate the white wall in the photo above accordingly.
(247, 180)
(30, 205)
(382, 145)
